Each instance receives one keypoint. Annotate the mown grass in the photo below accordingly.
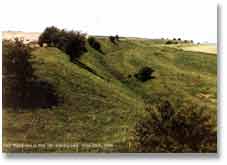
(207, 48)
(97, 110)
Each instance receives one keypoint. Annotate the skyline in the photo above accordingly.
(144, 19)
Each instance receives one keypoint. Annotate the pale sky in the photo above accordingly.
(187, 19)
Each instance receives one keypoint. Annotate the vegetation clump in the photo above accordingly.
(94, 43)
(171, 42)
(112, 39)
(189, 129)
(117, 37)
(144, 74)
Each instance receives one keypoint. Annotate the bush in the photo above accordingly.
(117, 38)
(169, 42)
(112, 39)
(73, 43)
(144, 74)
(94, 43)
(165, 130)
(20, 87)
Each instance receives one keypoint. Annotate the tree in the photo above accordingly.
(17, 71)
(15, 60)
(74, 44)
(50, 36)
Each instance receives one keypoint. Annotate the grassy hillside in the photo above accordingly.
(104, 107)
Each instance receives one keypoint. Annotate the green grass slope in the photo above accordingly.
(105, 110)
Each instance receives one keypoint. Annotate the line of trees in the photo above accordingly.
(176, 41)
(71, 42)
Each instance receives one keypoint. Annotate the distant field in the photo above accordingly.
(207, 48)
(26, 36)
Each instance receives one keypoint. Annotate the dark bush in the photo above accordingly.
(179, 39)
(117, 38)
(189, 129)
(94, 43)
(169, 42)
(112, 39)
(20, 87)
(144, 74)
(73, 43)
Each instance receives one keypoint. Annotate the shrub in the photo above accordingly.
(94, 43)
(144, 74)
(165, 130)
(112, 39)
(117, 38)
(20, 87)
(169, 42)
